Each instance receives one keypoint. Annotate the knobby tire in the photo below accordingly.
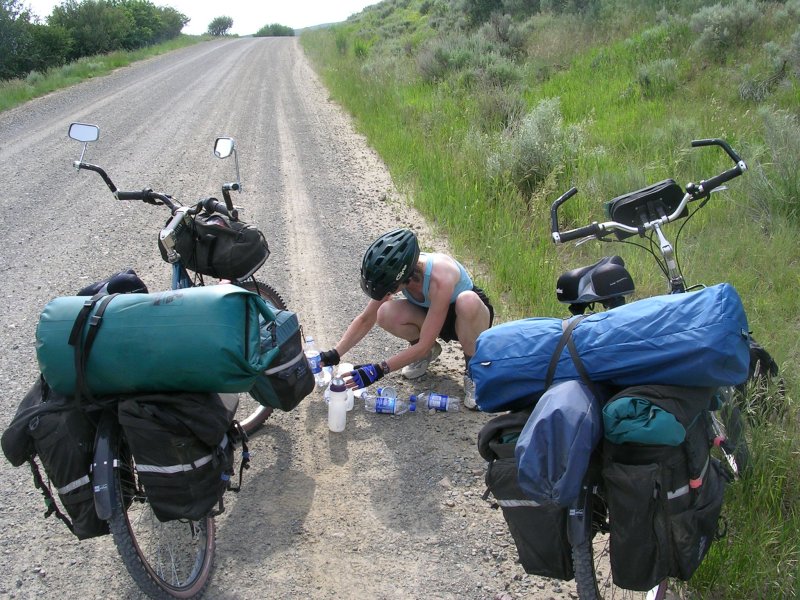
(166, 560)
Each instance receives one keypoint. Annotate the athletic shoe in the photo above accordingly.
(417, 369)
(469, 394)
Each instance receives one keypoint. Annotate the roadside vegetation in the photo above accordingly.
(485, 111)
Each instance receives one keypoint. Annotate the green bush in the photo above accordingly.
(721, 28)
(658, 78)
(537, 146)
(274, 30)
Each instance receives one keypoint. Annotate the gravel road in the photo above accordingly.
(392, 507)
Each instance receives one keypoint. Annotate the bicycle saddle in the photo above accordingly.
(606, 281)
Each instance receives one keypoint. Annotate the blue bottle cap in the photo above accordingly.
(412, 398)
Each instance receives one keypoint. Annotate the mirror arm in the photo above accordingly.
(232, 212)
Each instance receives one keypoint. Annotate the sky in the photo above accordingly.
(248, 15)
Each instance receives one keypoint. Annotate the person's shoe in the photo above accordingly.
(417, 369)
(469, 394)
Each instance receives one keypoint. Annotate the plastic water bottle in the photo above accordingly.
(337, 405)
(430, 400)
(314, 361)
(386, 402)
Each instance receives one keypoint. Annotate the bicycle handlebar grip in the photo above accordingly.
(554, 208)
(575, 234)
(212, 205)
(715, 182)
(722, 144)
(140, 195)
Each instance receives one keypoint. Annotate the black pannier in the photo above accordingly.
(213, 244)
(182, 450)
(539, 531)
(664, 500)
(288, 379)
(62, 434)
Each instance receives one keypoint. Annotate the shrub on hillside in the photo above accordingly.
(721, 28)
(658, 78)
(535, 147)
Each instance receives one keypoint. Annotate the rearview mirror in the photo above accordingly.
(224, 147)
(84, 132)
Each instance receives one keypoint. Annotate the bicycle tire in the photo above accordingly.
(254, 415)
(593, 578)
(166, 560)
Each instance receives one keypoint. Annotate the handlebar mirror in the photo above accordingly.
(224, 147)
(84, 132)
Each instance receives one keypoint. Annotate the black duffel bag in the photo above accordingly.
(183, 453)
(215, 245)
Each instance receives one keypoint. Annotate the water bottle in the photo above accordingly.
(386, 402)
(337, 405)
(314, 361)
(430, 400)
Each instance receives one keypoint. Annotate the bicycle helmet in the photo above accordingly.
(388, 262)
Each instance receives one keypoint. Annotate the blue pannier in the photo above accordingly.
(555, 446)
(698, 339)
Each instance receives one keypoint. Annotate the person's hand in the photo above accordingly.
(330, 357)
(364, 375)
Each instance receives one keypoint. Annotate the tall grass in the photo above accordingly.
(18, 91)
(483, 161)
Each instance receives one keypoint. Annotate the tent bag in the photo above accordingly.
(539, 531)
(699, 338)
(194, 339)
(288, 379)
(183, 454)
(213, 244)
(664, 500)
(555, 446)
(61, 434)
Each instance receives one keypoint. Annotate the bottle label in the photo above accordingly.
(314, 361)
(438, 402)
(384, 405)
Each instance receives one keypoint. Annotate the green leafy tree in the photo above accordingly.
(220, 26)
(95, 26)
(275, 30)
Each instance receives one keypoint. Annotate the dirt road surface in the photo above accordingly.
(389, 509)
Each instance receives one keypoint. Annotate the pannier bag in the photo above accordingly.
(61, 434)
(212, 244)
(196, 339)
(183, 454)
(539, 531)
(699, 339)
(557, 442)
(288, 379)
(665, 493)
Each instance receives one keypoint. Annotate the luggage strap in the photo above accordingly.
(568, 325)
(49, 501)
(84, 346)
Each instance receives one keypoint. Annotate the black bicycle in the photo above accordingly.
(606, 283)
(174, 559)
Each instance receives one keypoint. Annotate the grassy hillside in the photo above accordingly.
(485, 116)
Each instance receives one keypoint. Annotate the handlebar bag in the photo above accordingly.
(183, 455)
(61, 433)
(289, 378)
(199, 339)
(539, 530)
(217, 246)
(698, 339)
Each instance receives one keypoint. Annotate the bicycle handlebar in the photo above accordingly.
(693, 192)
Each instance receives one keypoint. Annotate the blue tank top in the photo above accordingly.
(463, 284)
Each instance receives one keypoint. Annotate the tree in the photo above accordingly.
(220, 26)
(274, 30)
(96, 26)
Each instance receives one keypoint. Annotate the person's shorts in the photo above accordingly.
(448, 332)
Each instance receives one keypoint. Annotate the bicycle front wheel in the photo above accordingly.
(250, 414)
(166, 560)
